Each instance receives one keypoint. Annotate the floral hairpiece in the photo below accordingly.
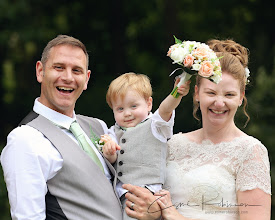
(195, 58)
(247, 74)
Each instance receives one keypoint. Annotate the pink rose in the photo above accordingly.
(188, 61)
(201, 52)
(169, 51)
(206, 69)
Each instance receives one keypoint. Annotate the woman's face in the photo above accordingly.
(219, 102)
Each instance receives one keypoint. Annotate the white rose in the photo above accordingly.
(196, 67)
(177, 54)
(190, 44)
(217, 77)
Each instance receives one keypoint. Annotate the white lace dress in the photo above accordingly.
(203, 178)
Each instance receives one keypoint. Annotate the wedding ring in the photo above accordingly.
(132, 205)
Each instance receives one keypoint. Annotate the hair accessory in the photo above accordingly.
(247, 74)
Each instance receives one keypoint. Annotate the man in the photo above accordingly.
(48, 174)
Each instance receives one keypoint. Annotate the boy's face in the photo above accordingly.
(131, 110)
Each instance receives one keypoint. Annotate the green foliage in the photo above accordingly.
(123, 36)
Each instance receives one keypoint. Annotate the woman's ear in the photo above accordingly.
(196, 93)
(241, 98)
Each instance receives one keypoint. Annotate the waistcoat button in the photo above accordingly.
(119, 174)
(123, 140)
(120, 163)
(122, 151)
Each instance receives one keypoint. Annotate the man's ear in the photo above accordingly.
(87, 79)
(39, 71)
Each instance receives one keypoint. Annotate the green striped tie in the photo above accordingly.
(79, 135)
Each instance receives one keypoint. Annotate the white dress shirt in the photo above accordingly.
(29, 160)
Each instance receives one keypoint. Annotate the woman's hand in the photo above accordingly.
(168, 211)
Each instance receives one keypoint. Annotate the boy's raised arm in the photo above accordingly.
(169, 104)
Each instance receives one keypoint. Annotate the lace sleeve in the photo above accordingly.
(254, 170)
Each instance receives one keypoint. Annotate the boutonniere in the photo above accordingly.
(99, 141)
(96, 140)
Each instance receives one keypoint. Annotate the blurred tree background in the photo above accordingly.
(123, 36)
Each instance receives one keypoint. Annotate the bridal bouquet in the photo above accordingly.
(195, 58)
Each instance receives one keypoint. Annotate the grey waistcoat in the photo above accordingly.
(142, 157)
(80, 190)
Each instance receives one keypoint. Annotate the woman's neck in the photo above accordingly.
(220, 134)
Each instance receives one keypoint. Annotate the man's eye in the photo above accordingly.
(77, 70)
(58, 67)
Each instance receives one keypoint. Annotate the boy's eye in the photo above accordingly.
(120, 109)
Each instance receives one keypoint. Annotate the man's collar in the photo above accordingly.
(54, 116)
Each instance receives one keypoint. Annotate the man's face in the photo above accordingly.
(63, 78)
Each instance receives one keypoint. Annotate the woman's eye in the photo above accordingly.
(210, 93)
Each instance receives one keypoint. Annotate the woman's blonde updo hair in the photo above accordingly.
(234, 61)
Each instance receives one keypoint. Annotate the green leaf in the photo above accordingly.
(177, 41)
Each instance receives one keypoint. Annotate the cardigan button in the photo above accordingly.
(123, 140)
(120, 163)
(119, 174)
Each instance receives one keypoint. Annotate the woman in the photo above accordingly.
(218, 171)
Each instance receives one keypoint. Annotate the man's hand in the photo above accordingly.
(141, 203)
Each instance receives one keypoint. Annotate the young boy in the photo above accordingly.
(140, 155)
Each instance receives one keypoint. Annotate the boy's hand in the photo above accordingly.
(109, 148)
(105, 138)
(183, 90)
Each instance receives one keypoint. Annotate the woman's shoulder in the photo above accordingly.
(184, 137)
(249, 141)
(252, 145)
(192, 135)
